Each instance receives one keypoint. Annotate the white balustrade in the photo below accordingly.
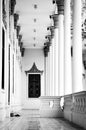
(75, 108)
(50, 106)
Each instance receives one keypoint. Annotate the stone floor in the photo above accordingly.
(35, 123)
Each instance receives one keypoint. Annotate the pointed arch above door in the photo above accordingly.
(34, 69)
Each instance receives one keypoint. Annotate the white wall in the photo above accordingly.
(31, 56)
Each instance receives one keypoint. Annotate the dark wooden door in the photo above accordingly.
(34, 86)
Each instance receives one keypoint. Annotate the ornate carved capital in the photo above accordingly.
(48, 37)
(55, 19)
(22, 52)
(84, 59)
(51, 28)
(60, 5)
(18, 30)
(4, 13)
(16, 17)
(47, 43)
(12, 6)
(46, 49)
(52, 31)
(21, 46)
(19, 39)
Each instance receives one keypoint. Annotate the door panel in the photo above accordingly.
(34, 85)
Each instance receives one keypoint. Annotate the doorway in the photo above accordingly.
(34, 85)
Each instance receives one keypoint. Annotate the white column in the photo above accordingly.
(67, 47)
(47, 87)
(48, 76)
(77, 47)
(6, 54)
(53, 58)
(55, 54)
(61, 52)
(51, 64)
(0, 45)
(45, 76)
(55, 19)
(56, 62)
(46, 72)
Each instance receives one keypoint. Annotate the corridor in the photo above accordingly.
(43, 64)
(32, 122)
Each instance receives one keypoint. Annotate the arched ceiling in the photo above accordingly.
(34, 20)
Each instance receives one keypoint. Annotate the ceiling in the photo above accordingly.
(34, 20)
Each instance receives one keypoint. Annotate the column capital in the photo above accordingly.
(4, 13)
(51, 28)
(47, 43)
(49, 37)
(19, 38)
(18, 30)
(16, 17)
(22, 52)
(21, 46)
(55, 19)
(46, 50)
(12, 6)
(60, 5)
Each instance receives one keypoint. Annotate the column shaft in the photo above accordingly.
(67, 47)
(53, 58)
(55, 54)
(0, 45)
(48, 80)
(77, 47)
(51, 64)
(61, 55)
(56, 63)
(45, 76)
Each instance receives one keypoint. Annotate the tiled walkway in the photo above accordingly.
(35, 123)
